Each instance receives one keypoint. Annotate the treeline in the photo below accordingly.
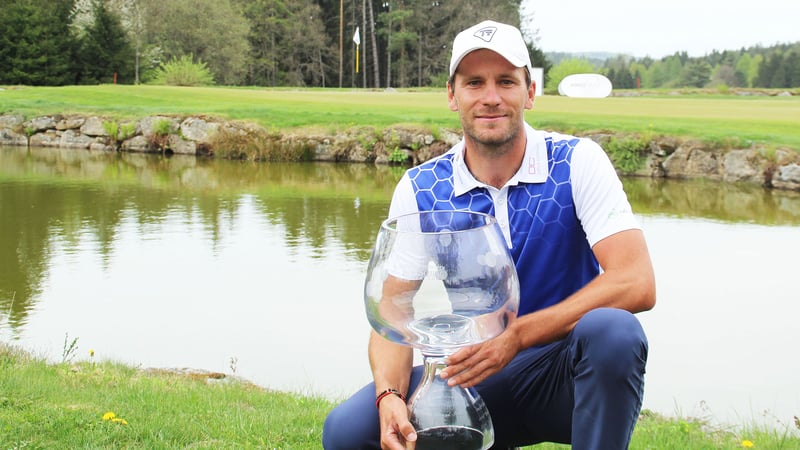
(755, 67)
(403, 43)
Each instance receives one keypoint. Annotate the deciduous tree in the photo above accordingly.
(211, 30)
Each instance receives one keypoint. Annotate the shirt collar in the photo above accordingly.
(532, 170)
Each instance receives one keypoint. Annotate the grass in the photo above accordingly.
(770, 121)
(67, 405)
(46, 405)
(91, 404)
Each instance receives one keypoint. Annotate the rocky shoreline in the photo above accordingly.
(662, 157)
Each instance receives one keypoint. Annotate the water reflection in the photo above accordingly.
(189, 262)
(713, 200)
(63, 196)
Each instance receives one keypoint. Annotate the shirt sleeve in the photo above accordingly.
(403, 201)
(600, 200)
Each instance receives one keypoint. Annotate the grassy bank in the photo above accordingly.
(93, 404)
(770, 121)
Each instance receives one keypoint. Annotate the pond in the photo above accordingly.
(257, 270)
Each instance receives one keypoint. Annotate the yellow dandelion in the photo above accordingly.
(91, 353)
(109, 416)
(119, 421)
(748, 444)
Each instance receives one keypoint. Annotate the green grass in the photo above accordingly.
(68, 405)
(765, 120)
(44, 406)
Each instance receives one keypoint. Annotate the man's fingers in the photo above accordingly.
(470, 375)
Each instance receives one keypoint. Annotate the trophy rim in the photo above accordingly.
(390, 224)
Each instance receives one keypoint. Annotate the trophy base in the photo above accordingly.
(449, 438)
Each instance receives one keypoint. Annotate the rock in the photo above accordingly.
(198, 130)
(149, 126)
(94, 127)
(651, 168)
(742, 165)
(74, 139)
(664, 156)
(49, 138)
(787, 177)
(10, 121)
(181, 146)
(137, 143)
(449, 137)
(70, 123)
(690, 161)
(663, 146)
(9, 137)
(38, 124)
(100, 147)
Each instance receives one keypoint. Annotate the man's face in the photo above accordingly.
(490, 95)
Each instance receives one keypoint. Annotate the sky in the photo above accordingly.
(657, 28)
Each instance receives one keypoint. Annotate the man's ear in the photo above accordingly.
(451, 97)
(531, 95)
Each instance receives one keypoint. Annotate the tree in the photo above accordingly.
(696, 74)
(725, 75)
(131, 17)
(281, 52)
(105, 53)
(673, 68)
(211, 30)
(767, 69)
(747, 65)
(305, 50)
(620, 73)
(793, 68)
(36, 42)
(568, 67)
(399, 40)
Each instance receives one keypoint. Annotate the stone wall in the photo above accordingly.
(199, 135)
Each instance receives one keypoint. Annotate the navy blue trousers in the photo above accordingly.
(585, 390)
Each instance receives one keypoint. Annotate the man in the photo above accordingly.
(571, 367)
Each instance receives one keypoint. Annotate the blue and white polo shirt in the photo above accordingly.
(564, 198)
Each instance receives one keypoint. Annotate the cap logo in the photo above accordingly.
(486, 33)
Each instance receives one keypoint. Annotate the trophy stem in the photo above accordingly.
(448, 417)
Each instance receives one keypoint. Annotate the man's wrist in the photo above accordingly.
(387, 393)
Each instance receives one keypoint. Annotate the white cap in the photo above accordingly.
(500, 38)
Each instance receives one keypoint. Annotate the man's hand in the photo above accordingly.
(397, 433)
(471, 365)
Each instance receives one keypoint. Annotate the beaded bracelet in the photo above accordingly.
(389, 391)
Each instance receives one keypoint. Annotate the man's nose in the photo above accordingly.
(491, 95)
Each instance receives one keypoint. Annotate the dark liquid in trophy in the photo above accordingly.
(449, 438)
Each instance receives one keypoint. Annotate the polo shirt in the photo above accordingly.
(564, 198)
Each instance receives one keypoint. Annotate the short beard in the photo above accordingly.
(494, 146)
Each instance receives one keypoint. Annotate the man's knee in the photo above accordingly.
(342, 430)
(613, 339)
(332, 430)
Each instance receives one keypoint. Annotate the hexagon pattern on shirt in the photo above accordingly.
(548, 244)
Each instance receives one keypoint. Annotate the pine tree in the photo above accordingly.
(36, 43)
(105, 49)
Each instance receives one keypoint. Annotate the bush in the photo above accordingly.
(184, 71)
(627, 153)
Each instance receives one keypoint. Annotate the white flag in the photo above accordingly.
(357, 37)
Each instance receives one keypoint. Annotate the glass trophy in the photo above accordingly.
(439, 281)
